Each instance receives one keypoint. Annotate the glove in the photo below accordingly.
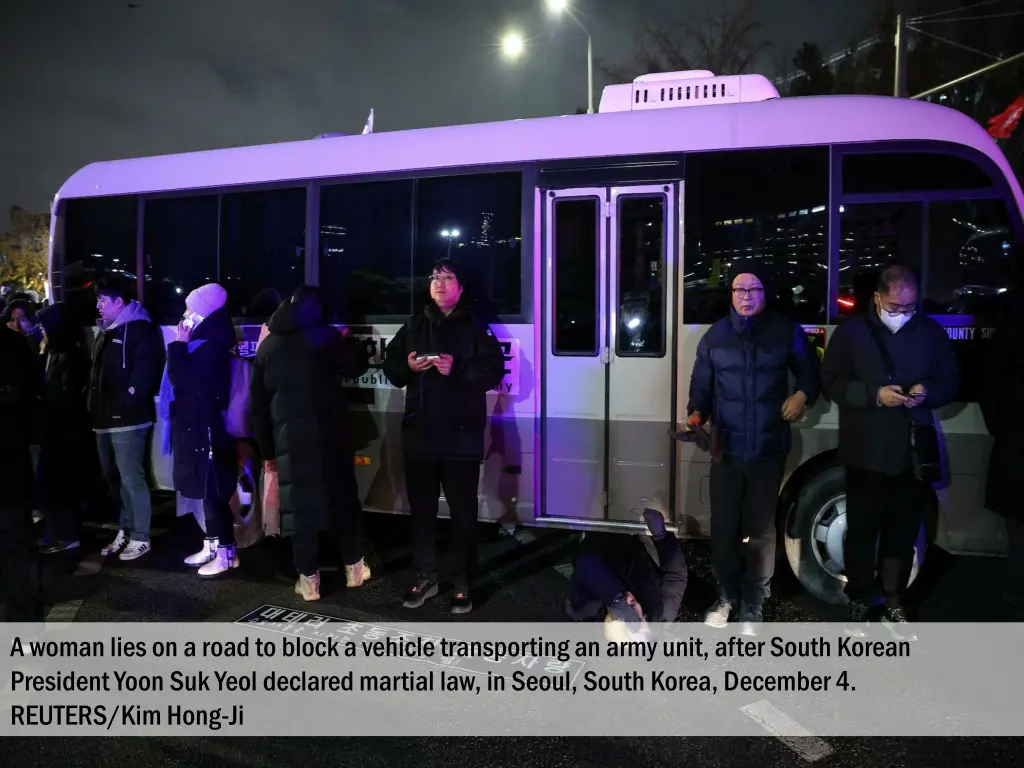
(655, 523)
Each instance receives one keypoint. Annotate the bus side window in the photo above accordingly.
(366, 237)
(576, 261)
(872, 234)
(969, 247)
(769, 204)
(180, 252)
(99, 241)
(887, 172)
(483, 216)
(262, 245)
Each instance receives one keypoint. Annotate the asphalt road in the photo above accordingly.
(525, 581)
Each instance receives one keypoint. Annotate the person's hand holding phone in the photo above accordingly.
(916, 395)
(443, 363)
(418, 364)
(892, 396)
(184, 330)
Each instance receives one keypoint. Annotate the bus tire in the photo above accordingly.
(816, 530)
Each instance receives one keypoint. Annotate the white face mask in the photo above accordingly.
(893, 322)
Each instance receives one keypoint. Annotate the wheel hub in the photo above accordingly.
(829, 533)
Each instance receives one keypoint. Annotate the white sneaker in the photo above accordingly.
(225, 559)
(119, 543)
(204, 555)
(718, 616)
(134, 550)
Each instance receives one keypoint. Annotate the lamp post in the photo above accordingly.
(558, 6)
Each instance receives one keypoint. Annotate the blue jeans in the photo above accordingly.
(121, 458)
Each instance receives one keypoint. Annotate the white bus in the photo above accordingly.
(600, 242)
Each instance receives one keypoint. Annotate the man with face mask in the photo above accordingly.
(741, 381)
(877, 408)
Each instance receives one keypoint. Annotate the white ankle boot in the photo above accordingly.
(225, 559)
(204, 555)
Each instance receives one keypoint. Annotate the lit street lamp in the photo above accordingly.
(450, 234)
(512, 45)
(558, 6)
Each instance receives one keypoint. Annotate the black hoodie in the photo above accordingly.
(300, 412)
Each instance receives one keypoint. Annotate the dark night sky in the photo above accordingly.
(88, 80)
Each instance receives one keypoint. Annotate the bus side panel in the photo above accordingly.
(507, 475)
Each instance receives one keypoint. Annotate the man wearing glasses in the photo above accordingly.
(886, 370)
(447, 359)
(741, 381)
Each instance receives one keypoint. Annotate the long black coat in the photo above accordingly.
(300, 414)
(1002, 405)
(200, 372)
(446, 416)
(66, 434)
(18, 388)
(871, 437)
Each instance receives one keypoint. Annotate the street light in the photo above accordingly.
(512, 45)
(558, 6)
(449, 234)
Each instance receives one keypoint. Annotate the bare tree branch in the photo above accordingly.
(725, 40)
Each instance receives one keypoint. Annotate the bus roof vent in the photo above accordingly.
(695, 88)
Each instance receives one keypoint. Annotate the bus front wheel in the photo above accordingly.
(815, 532)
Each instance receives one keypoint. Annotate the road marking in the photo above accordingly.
(787, 730)
(64, 612)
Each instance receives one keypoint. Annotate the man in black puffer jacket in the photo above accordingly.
(448, 359)
(741, 381)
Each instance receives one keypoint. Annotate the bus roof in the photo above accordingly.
(813, 120)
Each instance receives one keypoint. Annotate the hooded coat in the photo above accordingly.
(205, 463)
(128, 362)
(64, 417)
(300, 413)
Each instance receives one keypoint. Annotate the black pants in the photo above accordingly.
(460, 480)
(19, 561)
(744, 499)
(220, 523)
(883, 512)
(347, 530)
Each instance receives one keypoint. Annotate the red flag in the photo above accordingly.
(1002, 126)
